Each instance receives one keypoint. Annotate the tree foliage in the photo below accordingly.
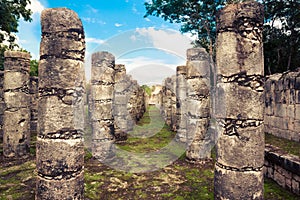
(147, 89)
(281, 35)
(34, 68)
(10, 13)
(199, 17)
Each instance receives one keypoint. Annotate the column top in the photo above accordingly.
(16, 54)
(60, 20)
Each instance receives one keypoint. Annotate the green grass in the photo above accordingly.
(272, 191)
(289, 146)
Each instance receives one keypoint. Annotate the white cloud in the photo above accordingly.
(118, 25)
(144, 69)
(168, 40)
(36, 7)
(93, 20)
(94, 40)
(92, 9)
(147, 19)
(134, 10)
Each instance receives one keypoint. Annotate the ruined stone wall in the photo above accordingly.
(16, 121)
(282, 105)
(283, 168)
(240, 102)
(59, 148)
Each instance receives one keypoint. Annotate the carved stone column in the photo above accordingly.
(198, 103)
(240, 102)
(16, 123)
(60, 150)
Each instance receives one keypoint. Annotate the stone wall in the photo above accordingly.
(282, 105)
(283, 168)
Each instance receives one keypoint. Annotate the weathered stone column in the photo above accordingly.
(60, 150)
(34, 93)
(102, 91)
(120, 103)
(16, 120)
(2, 103)
(240, 102)
(180, 103)
(198, 103)
(173, 104)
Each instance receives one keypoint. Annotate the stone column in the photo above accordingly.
(173, 104)
(120, 103)
(102, 91)
(16, 120)
(198, 103)
(34, 93)
(2, 103)
(180, 103)
(240, 102)
(60, 150)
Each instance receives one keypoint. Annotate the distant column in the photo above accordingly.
(198, 103)
(102, 91)
(60, 150)
(16, 122)
(120, 103)
(180, 103)
(240, 102)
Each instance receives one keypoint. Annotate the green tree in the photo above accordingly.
(10, 13)
(199, 17)
(34, 68)
(281, 35)
(147, 89)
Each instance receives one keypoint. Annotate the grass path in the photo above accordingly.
(179, 180)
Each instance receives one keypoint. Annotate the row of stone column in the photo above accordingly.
(186, 103)
(239, 103)
(117, 103)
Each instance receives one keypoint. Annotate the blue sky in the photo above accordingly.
(118, 26)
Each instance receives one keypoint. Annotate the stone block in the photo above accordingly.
(295, 187)
(198, 87)
(16, 100)
(244, 145)
(15, 80)
(105, 74)
(234, 101)
(102, 92)
(59, 165)
(231, 184)
(61, 189)
(60, 73)
(16, 138)
(55, 116)
(198, 68)
(197, 108)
